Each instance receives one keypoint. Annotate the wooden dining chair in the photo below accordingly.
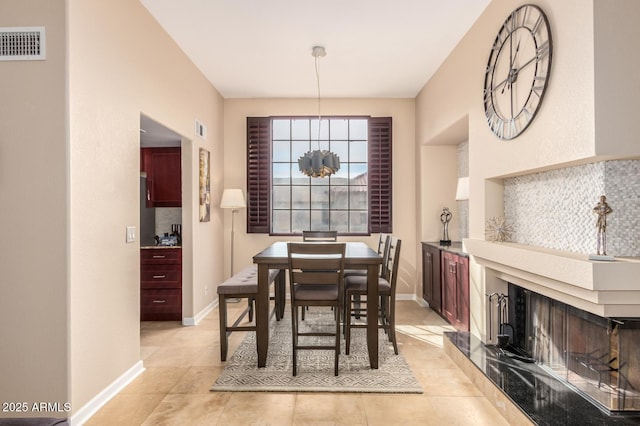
(355, 288)
(316, 272)
(383, 241)
(318, 236)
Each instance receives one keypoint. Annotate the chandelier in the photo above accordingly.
(319, 163)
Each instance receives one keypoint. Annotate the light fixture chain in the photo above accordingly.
(319, 110)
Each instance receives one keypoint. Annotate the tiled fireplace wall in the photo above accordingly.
(554, 209)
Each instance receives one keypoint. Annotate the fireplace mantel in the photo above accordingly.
(607, 289)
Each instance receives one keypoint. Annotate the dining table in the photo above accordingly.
(358, 255)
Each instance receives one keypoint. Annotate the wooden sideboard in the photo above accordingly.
(445, 282)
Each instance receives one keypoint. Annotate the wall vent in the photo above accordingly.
(201, 130)
(22, 44)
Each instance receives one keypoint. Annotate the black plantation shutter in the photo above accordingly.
(380, 175)
(258, 174)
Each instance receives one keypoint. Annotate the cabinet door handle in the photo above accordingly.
(159, 277)
(159, 256)
(148, 195)
(159, 301)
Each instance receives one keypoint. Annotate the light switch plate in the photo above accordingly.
(131, 234)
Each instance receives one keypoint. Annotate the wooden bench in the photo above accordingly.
(244, 285)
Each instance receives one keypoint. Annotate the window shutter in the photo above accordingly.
(258, 174)
(380, 200)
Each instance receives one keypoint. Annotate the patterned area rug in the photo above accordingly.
(315, 368)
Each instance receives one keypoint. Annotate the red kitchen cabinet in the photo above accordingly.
(161, 284)
(164, 176)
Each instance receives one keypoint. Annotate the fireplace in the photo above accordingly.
(599, 357)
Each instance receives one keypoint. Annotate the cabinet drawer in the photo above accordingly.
(161, 256)
(160, 305)
(160, 276)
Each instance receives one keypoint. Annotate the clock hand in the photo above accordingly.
(527, 63)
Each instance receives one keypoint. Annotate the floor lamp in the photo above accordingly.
(232, 199)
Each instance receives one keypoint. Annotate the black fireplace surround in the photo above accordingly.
(562, 365)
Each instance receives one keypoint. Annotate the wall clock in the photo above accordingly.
(517, 73)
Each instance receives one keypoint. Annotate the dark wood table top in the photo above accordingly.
(356, 253)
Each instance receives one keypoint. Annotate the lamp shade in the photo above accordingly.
(462, 192)
(232, 199)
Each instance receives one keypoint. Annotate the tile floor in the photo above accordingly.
(183, 362)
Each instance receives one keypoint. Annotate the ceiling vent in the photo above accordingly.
(22, 44)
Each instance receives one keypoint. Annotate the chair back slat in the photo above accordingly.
(316, 263)
(320, 236)
(393, 261)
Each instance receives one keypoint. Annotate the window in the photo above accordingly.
(355, 200)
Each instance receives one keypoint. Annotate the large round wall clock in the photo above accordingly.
(517, 73)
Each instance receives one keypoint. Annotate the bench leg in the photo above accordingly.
(222, 308)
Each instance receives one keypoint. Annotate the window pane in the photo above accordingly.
(340, 197)
(300, 129)
(341, 148)
(358, 222)
(358, 152)
(281, 151)
(340, 221)
(300, 220)
(298, 149)
(280, 222)
(359, 129)
(319, 220)
(281, 173)
(281, 198)
(357, 170)
(319, 197)
(300, 197)
(281, 129)
(324, 131)
(339, 129)
(358, 198)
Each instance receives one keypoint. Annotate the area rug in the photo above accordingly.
(315, 368)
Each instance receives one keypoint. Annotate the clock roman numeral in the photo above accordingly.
(536, 26)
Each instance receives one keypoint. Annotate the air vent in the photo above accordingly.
(201, 130)
(22, 44)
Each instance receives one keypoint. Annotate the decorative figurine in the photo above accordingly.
(602, 209)
(445, 218)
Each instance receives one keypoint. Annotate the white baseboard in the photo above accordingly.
(203, 313)
(90, 408)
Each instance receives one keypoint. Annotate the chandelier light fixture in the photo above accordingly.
(319, 163)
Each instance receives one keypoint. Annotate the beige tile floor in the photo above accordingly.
(183, 362)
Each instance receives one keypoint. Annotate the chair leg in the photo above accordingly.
(222, 309)
(337, 353)
(294, 336)
(391, 320)
(347, 324)
(250, 302)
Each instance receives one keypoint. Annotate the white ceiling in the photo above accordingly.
(262, 48)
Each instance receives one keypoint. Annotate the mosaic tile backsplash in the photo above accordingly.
(555, 209)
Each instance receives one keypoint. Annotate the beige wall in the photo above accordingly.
(69, 166)
(404, 171)
(121, 63)
(580, 96)
(34, 211)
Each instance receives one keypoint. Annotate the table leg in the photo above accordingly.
(372, 314)
(262, 314)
